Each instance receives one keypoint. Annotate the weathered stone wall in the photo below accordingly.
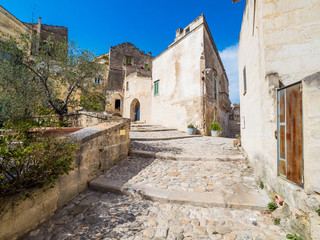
(10, 25)
(86, 119)
(279, 43)
(139, 89)
(217, 106)
(100, 146)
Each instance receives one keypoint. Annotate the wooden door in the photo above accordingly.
(290, 133)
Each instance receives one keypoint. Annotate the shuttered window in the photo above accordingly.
(156, 88)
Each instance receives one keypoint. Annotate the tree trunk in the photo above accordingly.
(61, 119)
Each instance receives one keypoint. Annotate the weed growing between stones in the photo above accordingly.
(272, 206)
(293, 237)
(261, 185)
(276, 221)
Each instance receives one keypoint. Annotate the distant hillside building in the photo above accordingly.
(187, 83)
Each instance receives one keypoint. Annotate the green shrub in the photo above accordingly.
(191, 125)
(277, 221)
(272, 206)
(261, 185)
(28, 161)
(293, 237)
(215, 126)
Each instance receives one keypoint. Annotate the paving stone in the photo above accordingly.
(95, 215)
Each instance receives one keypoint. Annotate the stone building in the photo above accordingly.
(186, 83)
(190, 84)
(10, 25)
(279, 55)
(122, 61)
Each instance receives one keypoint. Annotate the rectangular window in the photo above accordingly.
(215, 87)
(156, 88)
(244, 81)
(97, 80)
(127, 86)
(128, 60)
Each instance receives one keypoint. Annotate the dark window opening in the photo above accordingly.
(215, 87)
(117, 104)
(97, 80)
(187, 30)
(127, 86)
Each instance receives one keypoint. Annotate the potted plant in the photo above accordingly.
(216, 129)
(191, 129)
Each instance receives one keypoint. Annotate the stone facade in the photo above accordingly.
(185, 93)
(279, 46)
(100, 147)
(193, 85)
(10, 25)
(121, 61)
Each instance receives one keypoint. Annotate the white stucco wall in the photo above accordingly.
(282, 44)
(178, 69)
(140, 89)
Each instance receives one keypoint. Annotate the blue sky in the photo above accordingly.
(149, 25)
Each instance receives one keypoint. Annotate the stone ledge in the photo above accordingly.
(160, 155)
(162, 138)
(250, 200)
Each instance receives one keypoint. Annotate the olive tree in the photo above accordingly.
(49, 75)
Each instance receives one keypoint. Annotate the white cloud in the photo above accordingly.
(229, 57)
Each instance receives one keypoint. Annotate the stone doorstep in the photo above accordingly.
(160, 155)
(251, 200)
(153, 130)
(165, 138)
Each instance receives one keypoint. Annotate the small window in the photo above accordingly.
(127, 86)
(129, 61)
(244, 81)
(97, 80)
(156, 88)
(187, 30)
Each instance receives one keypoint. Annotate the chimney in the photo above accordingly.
(150, 54)
(178, 32)
(39, 26)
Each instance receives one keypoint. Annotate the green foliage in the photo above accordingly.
(261, 185)
(238, 136)
(318, 210)
(191, 125)
(277, 221)
(272, 206)
(215, 233)
(293, 237)
(29, 160)
(54, 71)
(94, 101)
(215, 126)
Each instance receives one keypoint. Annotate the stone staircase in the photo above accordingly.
(145, 132)
(234, 128)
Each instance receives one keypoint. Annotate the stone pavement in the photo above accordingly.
(199, 188)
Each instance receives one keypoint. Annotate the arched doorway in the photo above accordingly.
(135, 110)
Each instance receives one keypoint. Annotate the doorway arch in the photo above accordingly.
(135, 110)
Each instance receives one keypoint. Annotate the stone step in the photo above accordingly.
(179, 157)
(150, 129)
(249, 200)
(160, 135)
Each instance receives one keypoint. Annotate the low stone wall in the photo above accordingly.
(86, 119)
(100, 147)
